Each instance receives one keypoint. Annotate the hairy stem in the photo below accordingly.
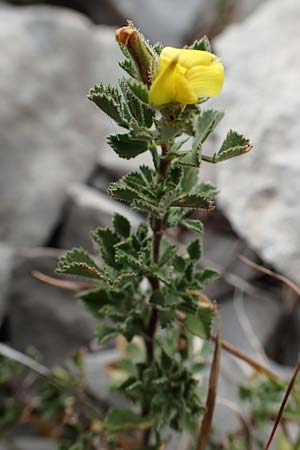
(153, 321)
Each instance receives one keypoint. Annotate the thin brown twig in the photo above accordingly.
(283, 404)
(271, 273)
(260, 368)
(212, 391)
(250, 361)
(64, 284)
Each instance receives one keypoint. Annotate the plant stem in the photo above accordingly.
(153, 321)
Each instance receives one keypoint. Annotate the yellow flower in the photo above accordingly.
(185, 75)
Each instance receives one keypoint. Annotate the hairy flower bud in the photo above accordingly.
(139, 50)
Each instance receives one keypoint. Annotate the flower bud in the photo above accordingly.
(130, 38)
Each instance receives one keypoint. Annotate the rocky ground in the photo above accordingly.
(55, 166)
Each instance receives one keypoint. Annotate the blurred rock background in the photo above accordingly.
(55, 164)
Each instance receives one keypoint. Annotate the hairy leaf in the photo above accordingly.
(125, 146)
(78, 262)
(200, 323)
(123, 419)
(193, 225)
(121, 225)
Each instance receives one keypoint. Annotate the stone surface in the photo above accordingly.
(107, 14)
(153, 16)
(50, 134)
(30, 443)
(6, 266)
(46, 317)
(86, 210)
(260, 192)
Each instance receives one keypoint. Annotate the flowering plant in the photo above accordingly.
(145, 289)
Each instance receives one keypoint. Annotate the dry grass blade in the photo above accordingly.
(44, 372)
(212, 391)
(282, 406)
(246, 424)
(254, 364)
(270, 272)
(24, 360)
(64, 284)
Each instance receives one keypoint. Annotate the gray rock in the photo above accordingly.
(168, 21)
(98, 378)
(88, 209)
(46, 317)
(260, 192)
(6, 258)
(30, 443)
(50, 134)
(173, 21)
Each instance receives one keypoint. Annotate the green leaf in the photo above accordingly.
(108, 99)
(206, 123)
(142, 112)
(139, 89)
(201, 44)
(104, 333)
(200, 323)
(167, 254)
(125, 146)
(106, 240)
(123, 419)
(78, 262)
(235, 144)
(121, 225)
(138, 188)
(194, 250)
(207, 275)
(193, 225)
(94, 299)
(194, 201)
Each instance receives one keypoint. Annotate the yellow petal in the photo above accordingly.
(206, 81)
(184, 92)
(163, 89)
(187, 58)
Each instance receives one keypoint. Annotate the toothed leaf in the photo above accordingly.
(125, 146)
(200, 323)
(235, 144)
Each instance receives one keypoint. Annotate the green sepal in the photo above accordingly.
(200, 323)
(121, 225)
(157, 48)
(124, 419)
(125, 146)
(129, 64)
(201, 44)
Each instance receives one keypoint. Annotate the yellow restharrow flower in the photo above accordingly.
(185, 75)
